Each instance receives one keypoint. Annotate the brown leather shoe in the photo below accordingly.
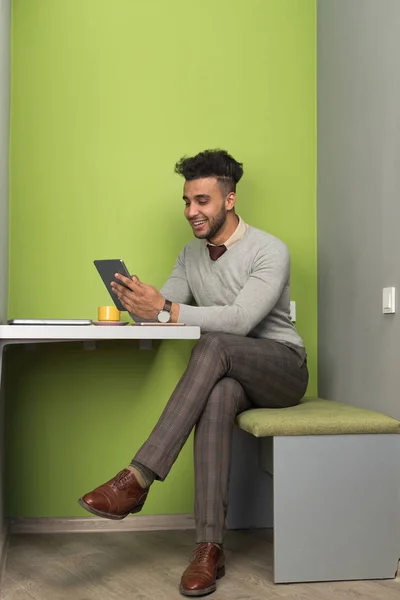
(208, 565)
(116, 498)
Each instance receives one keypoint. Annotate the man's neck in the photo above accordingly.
(225, 233)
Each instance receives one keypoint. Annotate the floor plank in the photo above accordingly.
(12, 590)
(148, 565)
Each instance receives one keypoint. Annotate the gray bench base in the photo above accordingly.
(336, 502)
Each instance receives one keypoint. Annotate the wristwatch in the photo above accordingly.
(164, 316)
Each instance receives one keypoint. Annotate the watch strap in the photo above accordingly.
(167, 306)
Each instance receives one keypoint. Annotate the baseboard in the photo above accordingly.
(3, 549)
(92, 524)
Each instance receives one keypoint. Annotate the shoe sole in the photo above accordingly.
(100, 513)
(205, 591)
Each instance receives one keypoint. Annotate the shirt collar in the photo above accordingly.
(236, 236)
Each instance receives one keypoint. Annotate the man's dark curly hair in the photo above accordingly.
(212, 163)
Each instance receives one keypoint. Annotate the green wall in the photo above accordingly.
(106, 96)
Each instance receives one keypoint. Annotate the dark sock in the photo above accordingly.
(147, 476)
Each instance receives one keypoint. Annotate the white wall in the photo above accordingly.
(4, 137)
(359, 200)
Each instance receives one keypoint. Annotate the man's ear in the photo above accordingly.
(230, 201)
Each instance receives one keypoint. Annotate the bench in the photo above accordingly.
(335, 489)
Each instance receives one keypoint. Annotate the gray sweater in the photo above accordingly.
(245, 292)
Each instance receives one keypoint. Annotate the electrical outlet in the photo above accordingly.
(293, 311)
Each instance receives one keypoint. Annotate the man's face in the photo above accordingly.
(206, 206)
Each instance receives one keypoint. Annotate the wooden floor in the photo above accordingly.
(148, 566)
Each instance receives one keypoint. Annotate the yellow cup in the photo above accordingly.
(108, 313)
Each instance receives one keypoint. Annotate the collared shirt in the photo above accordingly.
(236, 236)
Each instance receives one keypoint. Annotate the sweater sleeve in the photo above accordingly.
(176, 288)
(262, 290)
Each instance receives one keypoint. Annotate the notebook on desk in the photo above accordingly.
(49, 322)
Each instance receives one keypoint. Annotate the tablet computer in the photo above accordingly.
(107, 269)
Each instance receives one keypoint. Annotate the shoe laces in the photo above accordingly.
(121, 479)
(202, 552)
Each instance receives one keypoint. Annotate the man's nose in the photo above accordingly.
(192, 211)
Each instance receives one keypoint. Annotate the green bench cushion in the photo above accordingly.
(315, 416)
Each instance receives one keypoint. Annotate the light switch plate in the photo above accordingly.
(389, 300)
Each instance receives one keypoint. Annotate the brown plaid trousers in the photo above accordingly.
(226, 375)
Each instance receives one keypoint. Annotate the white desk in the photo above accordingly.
(67, 333)
(89, 334)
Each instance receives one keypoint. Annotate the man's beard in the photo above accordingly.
(215, 225)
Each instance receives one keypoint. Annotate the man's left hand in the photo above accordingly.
(138, 298)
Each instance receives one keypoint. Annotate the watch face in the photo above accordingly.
(164, 316)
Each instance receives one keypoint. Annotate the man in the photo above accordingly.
(250, 355)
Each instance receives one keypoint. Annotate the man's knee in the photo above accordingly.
(229, 386)
(226, 391)
(210, 343)
(227, 398)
